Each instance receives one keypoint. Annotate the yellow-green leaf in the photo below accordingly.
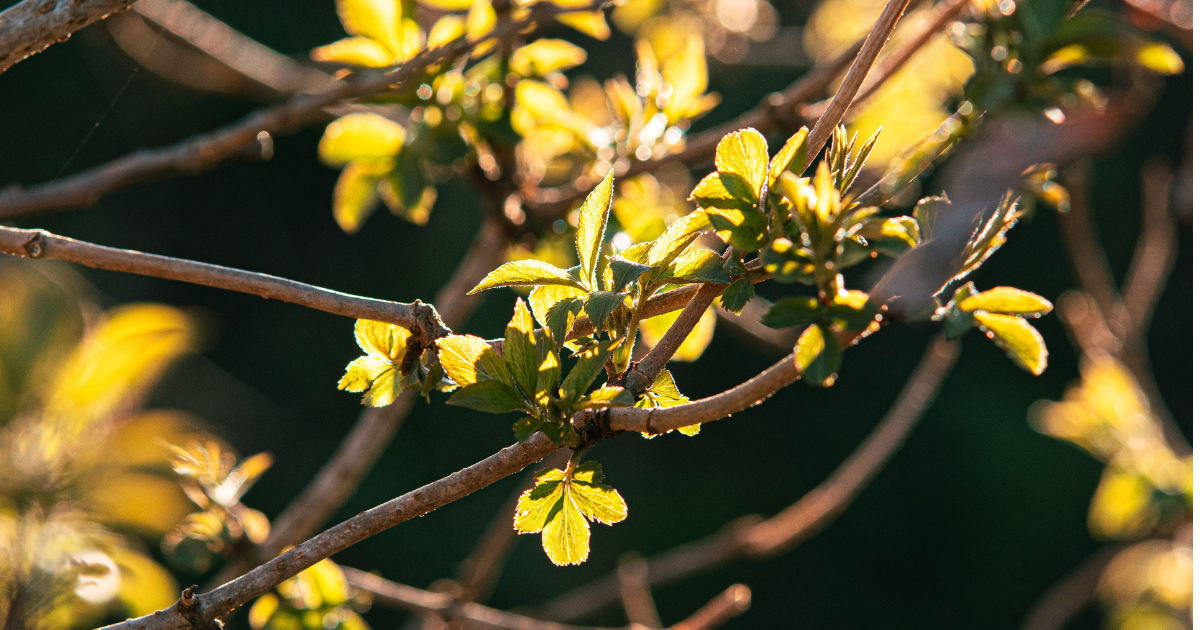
(593, 219)
(375, 373)
(360, 136)
(526, 273)
(559, 508)
(566, 538)
(447, 5)
(1017, 337)
(744, 153)
(1160, 58)
(791, 156)
(546, 56)
(520, 349)
(447, 29)
(607, 396)
(481, 20)
(376, 19)
(488, 396)
(586, 369)
(355, 51)
(687, 73)
(1007, 300)
(468, 359)
(808, 347)
(538, 504)
(676, 238)
(589, 23)
(544, 297)
(356, 195)
(598, 502)
(744, 228)
(698, 265)
(599, 305)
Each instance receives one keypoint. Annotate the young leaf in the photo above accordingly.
(544, 297)
(724, 190)
(598, 502)
(586, 369)
(375, 373)
(745, 229)
(697, 265)
(376, 19)
(488, 396)
(736, 295)
(1008, 301)
(606, 397)
(561, 318)
(520, 349)
(676, 238)
(360, 136)
(598, 306)
(625, 271)
(664, 393)
(447, 29)
(525, 427)
(526, 273)
(790, 157)
(468, 359)
(744, 153)
(1017, 337)
(788, 262)
(808, 347)
(824, 365)
(558, 507)
(545, 56)
(356, 195)
(593, 219)
(355, 51)
(793, 311)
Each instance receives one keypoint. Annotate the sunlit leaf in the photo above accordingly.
(589, 365)
(676, 238)
(375, 373)
(447, 5)
(744, 153)
(599, 305)
(447, 29)
(591, 23)
(810, 345)
(823, 359)
(1017, 337)
(791, 157)
(376, 19)
(356, 195)
(526, 273)
(545, 56)
(481, 19)
(561, 317)
(360, 136)
(355, 51)
(488, 396)
(593, 219)
(468, 359)
(520, 349)
(606, 397)
(598, 502)
(687, 73)
(624, 272)
(1159, 58)
(745, 229)
(1007, 300)
(698, 265)
(542, 298)
(558, 507)
(1123, 506)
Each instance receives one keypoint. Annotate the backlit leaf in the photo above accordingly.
(745, 229)
(823, 365)
(599, 305)
(376, 19)
(520, 349)
(488, 396)
(791, 157)
(1007, 300)
(808, 347)
(744, 153)
(586, 369)
(447, 29)
(561, 317)
(698, 265)
(542, 298)
(606, 397)
(375, 373)
(468, 359)
(693, 345)
(356, 195)
(526, 273)
(598, 502)
(676, 238)
(447, 5)
(566, 537)
(687, 73)
(589, 23)
(545, 56)
(558, 508)
(360, 136)
(1017, 337)
(355, 51)
(1159, 58)
(624, 272)
(593, 219)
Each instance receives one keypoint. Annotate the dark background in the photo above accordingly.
(975, 518)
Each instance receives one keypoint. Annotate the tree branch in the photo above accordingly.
(1071, 594)
(633, 578)
(31, 26)
(1154, 255)
(751, 535)
(417, 317)
(221, 601)
(206, 151)
(641, 374)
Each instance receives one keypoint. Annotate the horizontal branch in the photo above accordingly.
(31, 26)
(206, 151)
(417, 317)
(221, 601)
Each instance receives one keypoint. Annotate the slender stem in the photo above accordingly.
(641, 374)
(633, 576)
(1154, 255)
(1070, 595)
(416, 316)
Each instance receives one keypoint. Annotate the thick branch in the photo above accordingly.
(31, 26)
(223, 600)
(642, 373)
(416, 316)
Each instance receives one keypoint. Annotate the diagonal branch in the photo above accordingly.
(416, 316)
(31, 26)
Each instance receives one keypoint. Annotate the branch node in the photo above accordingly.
(592, 427)
(35, 245)
(188, 607)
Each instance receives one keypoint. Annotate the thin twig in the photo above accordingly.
(416, 316)
(31, 26)
(633, 577)
(221, 601)
(206, 151)
(1070, 594)
(751, 535)
(1154, 255)
(641, 373)
(729, 604)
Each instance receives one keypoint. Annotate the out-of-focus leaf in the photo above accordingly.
(793, 311)
(687, 73)
(1007, 300)
(591, 23)
(693, 345)
(376, 19)
(1160, 58)
(144, 585)
(593, 219)
(447, 29)
(355, 51)
(823, 366)
(356, 195)
(1123, 506)
(448, 5)
(1017, 337)
(808, 347)
(488, 396)
(787, 262)
(526, 273)
(360, 136)
(546, 56)
(520, 349)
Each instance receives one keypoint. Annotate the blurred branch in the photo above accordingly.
(206, 151)
(1071, 594)
(732, 602)
(417, 317)
(1154, 255)
(752, 536)
(196, 37)
(219, 602)
(633, 577)
(748, 323)
(31, 26)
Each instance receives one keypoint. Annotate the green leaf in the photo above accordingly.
(488, 396)
(586, 369)
(468, 359)
(736, 295)
(793, 311)
(375, 373)
(808, 347)
(745, 229)
(542, 298)
(598, 306)
(593, 219)
(852, 308)
(1159, 58)
(360, 136)
(549, 371)
(676, 238)
(1007, 300)
(546, 56)
(697, 265)
(625, 271)
(376, 19)
(539, 504)
(598, 502)
(407, 192)
(791, 157)
(561, 318)
(744, 153)
(824, 365)
(520, 349)
(724, 190)
(662, 392)
(526, 427)
(926, 214)
(1017, 337)
(606, 396)
(558, 508)
(788, 262)
(356, 195)
(852, 169)
(526, 273)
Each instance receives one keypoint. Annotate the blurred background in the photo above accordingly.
(975, 519)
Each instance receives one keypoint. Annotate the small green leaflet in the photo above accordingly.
(736, 295)
(488, 397)
(791, 157)
(593, 219)
(526, 273)
(744, 153)
(376, 372)
(559, 508)
(1008, 301)
(664, 393)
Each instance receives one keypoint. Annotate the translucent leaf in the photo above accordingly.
(586, 369)
(520, 349)
(743, 228)
(488, 396)
(624, 272)
(558, 508)
(1017, 337)
(589, 23)
(539, 504)
(468, 359)
(360, 136)
(263, 609)
(693, 345)
(823, 363)
(724, 190)
(481, 19)
(1007, 300)
(545, 56)
(698, 265)
(1123, 506)
(808, 347)
(376, 19)
(687, 73)
(787, 262)
(676, 238)
(561, 317)
(664, 393)
(606, 397)
(447, 5)
(355, 51)
(526, 273)
(1159, 58)
(599, 305)
(566, 537)
(144, 585)
(375, 373)
(447, 29)
(791, 157)
(356, 195)
(542, 298)
(736, 295)
(593, 219)
(598, 502)
(744, 153)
